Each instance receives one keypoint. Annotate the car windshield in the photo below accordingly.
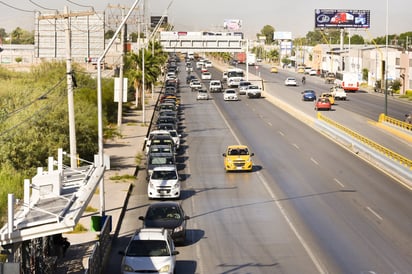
(237, 151)
(160, 160)
(164, 175)
(230, 91)
(161, 213)
(147, 248)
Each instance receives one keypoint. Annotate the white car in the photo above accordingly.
(253, 91)
(215, 86)
(152, 134)
(338, 92)
(291, 81)
(243, 87)
(206, 75)
(230, 94)
(202, 95)
(195, 84)
(164, 183)
(151, 250)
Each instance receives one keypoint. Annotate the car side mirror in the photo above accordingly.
(141, 218)
(175, 252)
(252, 154)
(224, 154)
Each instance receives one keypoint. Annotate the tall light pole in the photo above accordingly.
(386, 58)
(100, 107)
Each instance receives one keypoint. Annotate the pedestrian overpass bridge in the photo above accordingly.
(182, 41)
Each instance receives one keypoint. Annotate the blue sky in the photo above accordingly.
(296, 16)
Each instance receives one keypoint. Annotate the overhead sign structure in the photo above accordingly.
(342, 18)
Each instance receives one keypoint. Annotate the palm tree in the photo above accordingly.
(153, 62)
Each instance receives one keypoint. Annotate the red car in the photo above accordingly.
(323, 103)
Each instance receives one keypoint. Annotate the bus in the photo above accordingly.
(349, 81)
(234, 76)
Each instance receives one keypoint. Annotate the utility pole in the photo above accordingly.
(70, 101)
(120, 103)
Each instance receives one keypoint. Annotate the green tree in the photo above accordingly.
(355, 40)
(3, 33)
(20, 36)
(268, 32)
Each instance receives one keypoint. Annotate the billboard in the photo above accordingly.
(154, 20)
(282, 35)
(329, 18)
(232, 24)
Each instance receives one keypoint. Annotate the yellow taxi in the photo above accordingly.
(329, 96)
(238, 158)
(301, 69)
(274, 70)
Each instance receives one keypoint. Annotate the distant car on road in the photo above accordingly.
(215, 86)
(243, 87)
(309, 95)
(202, 94)
(323, 104)
(274, 69)
(238, 158)
(168, 215)
(291, 81)
(230, 94)
(254, 91)
(206, 75)
(328, 95)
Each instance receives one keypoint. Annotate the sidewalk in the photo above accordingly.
(125, 153)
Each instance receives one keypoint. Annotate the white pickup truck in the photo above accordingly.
(338, 92)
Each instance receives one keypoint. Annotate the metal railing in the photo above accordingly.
(395, 122)
(383, 150)
(101, 250)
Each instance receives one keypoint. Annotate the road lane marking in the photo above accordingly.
(314, 161)
(374, 213)
(338, 182)
(300, 238)
(295, 145)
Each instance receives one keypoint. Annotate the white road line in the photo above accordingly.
(313, 160)
(295, 145)
(338, 182)
(374, 213)
(281, 133)
(311, 254)
(270, 124)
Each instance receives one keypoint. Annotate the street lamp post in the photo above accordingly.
(386, 59)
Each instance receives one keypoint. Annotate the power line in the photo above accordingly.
(80, 5)
(32, 102)
(16, 8)
(41, 6)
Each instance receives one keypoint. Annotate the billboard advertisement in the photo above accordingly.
(329, 18)
(232, 24)
(154, 20)
(282, 35)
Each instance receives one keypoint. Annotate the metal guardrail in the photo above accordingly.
(385, 151)
(395, 122)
